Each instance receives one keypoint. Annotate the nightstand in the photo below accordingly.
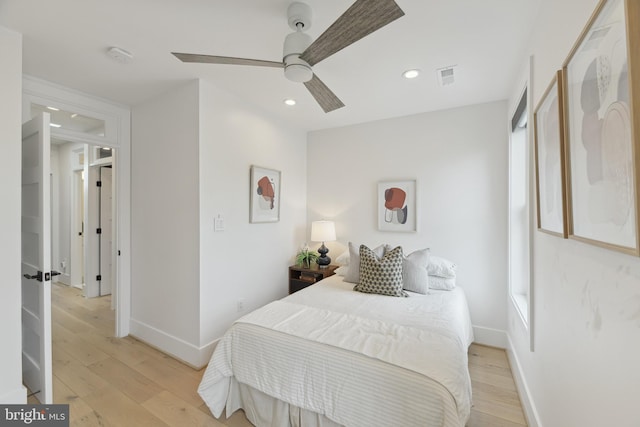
(300, 277)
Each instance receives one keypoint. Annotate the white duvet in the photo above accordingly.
(357, 359)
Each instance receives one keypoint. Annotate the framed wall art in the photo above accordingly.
(265, 195)
(397, 206)
(550, 160)
(601, 124)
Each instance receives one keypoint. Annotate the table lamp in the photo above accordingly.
(323, 231)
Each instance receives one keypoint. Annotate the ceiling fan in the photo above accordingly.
(300, 54)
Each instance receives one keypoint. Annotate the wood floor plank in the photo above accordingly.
(80, 379)
(63, 394)
(489, 377)
(178, 413)
(490, 392)
(119, 348)
(135, 385)
(499, 409)
(480, 419)
(60, 357)
(119, 410)
(488, 357)
(92, 419)
(81, 350)
(183, 386)
(67, 320)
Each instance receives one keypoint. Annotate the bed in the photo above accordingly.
(328, 356)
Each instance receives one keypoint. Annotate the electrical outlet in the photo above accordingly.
(240, 305)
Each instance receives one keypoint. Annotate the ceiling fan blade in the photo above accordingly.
(323, 95)
(361, 19)
(211, 59)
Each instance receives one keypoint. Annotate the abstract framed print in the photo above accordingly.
(265, 195)
(397, 206)
(601, 124)
(550, 161)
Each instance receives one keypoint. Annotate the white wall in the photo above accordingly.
(11, 389)
(165, 231)
(459, 158)
(246, 261)
(192, 150)
(584, 368)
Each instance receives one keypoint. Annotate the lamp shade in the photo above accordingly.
(323, 231)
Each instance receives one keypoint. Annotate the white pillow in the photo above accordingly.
(442, 283)
(414, 271)
(353, 274)
(342, 270)
(343, 258)
(441, 267)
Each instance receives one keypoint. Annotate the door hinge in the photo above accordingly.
(99, 277)
(118, 252)
(98, 183)
(99, 231)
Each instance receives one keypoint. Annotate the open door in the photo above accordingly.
(36, 258)
(105, 223)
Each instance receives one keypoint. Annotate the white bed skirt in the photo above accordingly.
(266, 411)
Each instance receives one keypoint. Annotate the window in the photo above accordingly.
(519, 231)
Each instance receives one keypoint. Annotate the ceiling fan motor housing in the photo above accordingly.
(295, 69)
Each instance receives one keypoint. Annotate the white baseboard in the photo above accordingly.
(530, 412)
(196, 357)
(490, 336)
(17, 396)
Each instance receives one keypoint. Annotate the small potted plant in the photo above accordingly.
(305, 257)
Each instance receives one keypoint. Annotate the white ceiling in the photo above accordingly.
(65, 41)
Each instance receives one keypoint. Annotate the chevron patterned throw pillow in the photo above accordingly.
(381, 275)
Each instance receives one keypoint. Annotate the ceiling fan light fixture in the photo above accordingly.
(299, 73)
(411, 74)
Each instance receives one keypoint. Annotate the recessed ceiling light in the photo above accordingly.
(411, 74)
(74, 115)
(53, 108)
(55, 125)
(290, 102)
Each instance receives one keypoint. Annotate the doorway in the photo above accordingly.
(82, 118)
(73, 117)
(84, 233)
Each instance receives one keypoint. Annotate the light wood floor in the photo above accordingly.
(123, 382)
